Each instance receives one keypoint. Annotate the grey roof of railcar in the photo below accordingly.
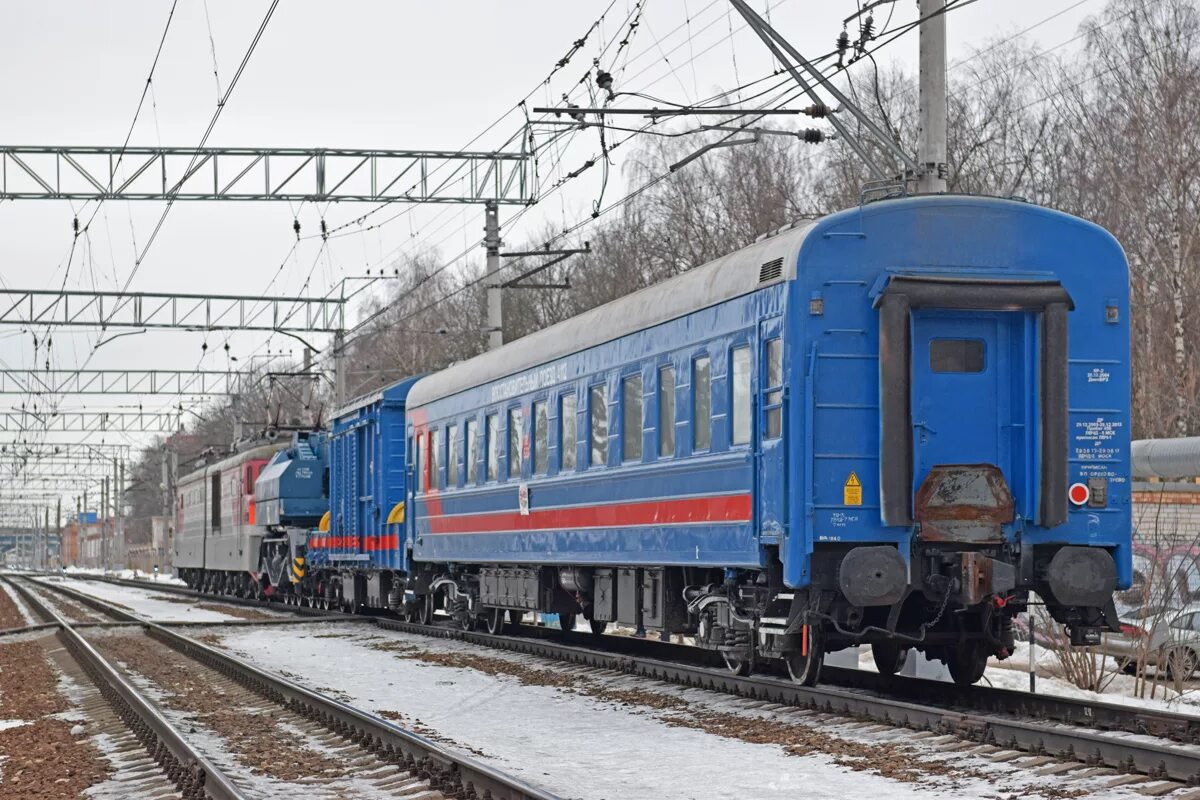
(700, 287)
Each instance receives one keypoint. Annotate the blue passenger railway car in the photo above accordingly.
(887, 426)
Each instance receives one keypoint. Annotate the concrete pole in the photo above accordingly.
(932, 140)
(339, 369)
(492, 244)
(104, 524)
(119, 513)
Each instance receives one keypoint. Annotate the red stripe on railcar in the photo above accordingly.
(389, 542)
(333, 542)
(727, 508)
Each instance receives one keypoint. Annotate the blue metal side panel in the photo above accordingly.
(849, 256)
(368, 458)
(690, 508)
(290, 491)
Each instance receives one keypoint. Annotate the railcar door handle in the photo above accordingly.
(924, 427)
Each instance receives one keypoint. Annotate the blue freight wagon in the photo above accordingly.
(358, 548)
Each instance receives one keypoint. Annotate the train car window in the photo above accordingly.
(436, 456)
(452, 453)
(774, 394)
(422, 462)
(515, 420)
(472, 451)
(493, 447)
(566, 434)
(215, 509)
(541, 438)
(598, 411)
(741, 395)
(701, 403)
(956, 355)
(666, 412)
(631, 418)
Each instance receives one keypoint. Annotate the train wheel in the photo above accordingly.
(736, 663)
(889, 657)
(426, 610)
(599, 626)
(566, 622)
(967, 663)
(516, 617)
(804, 665)
(494, 621)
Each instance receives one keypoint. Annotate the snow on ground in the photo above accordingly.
(125, 574)
(584, 743)
(149, 604)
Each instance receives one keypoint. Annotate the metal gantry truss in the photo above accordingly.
(270, 173)
(43, 449)
(91, 421)
(120, 381)
(198, 312)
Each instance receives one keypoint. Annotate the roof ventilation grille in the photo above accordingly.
(770, 271)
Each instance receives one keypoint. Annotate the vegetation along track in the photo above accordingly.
(371, 744)
(1167, 744)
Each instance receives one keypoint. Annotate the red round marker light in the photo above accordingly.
(1079, 493)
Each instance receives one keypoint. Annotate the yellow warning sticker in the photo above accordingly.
(852, 491)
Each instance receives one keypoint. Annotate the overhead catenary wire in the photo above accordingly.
(631, 195)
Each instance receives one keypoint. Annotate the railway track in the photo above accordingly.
(1164, 745)
(1074, 731)
(356, 754)
(1176, 727)
(179, 763)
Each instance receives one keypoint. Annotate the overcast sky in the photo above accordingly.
(404, 75)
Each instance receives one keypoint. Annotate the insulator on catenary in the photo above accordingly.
(604, 80)
(324, 231)
(296, 227)
(843, 43)
(811, 136)
(817, 110)
(866, 33)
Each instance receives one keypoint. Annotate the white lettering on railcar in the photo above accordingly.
(1098, 375)
(528, 382)
(1093, 439)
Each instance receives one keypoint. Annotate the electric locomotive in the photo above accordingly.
(892, 426)
(240, 521)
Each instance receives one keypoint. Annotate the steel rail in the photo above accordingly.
(1004, 720)
(1171, 725)
(447, 771)
(195, 775)
(1161, 760)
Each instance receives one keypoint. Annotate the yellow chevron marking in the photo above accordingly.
(396, 515)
